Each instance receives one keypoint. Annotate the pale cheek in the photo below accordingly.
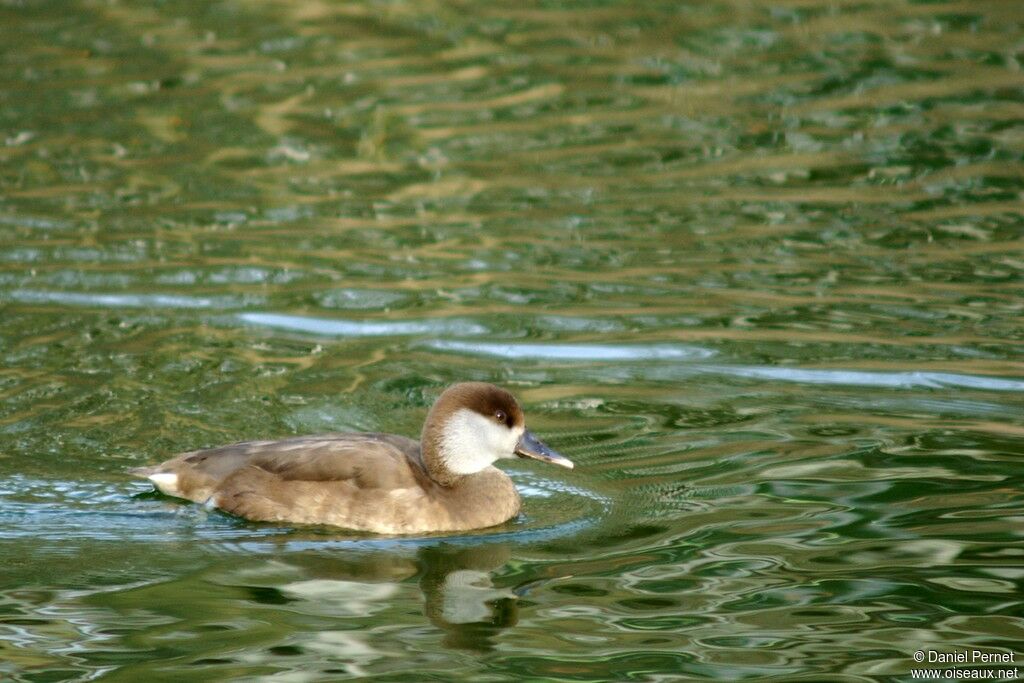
(499, 443)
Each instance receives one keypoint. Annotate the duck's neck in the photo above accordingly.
(432, 452)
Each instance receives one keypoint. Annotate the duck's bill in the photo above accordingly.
(530, 446)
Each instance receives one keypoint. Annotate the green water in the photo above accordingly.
(758, 268)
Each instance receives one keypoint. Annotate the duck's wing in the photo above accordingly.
(368, 461)
(369, 482)
(363, 461)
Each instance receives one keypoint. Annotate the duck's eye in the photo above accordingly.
(500, 415)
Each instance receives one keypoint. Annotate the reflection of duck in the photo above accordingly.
(460, 598)
(456, 580)
(373, 482)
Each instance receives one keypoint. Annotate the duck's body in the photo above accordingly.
(380, 483)
(365, 482)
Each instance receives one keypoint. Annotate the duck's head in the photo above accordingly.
(471, 425)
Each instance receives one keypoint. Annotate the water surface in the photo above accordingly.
(755, 267)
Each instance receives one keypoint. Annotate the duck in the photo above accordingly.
(373, 482)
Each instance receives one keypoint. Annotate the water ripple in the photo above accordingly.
(362, 328)
(638, 352)
(580, 352)
(900, 380)
(99, 300)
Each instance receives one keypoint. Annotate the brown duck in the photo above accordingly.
(380, 483)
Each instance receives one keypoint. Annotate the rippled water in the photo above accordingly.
(756, 267)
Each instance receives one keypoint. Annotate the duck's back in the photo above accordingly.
(372, 482)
